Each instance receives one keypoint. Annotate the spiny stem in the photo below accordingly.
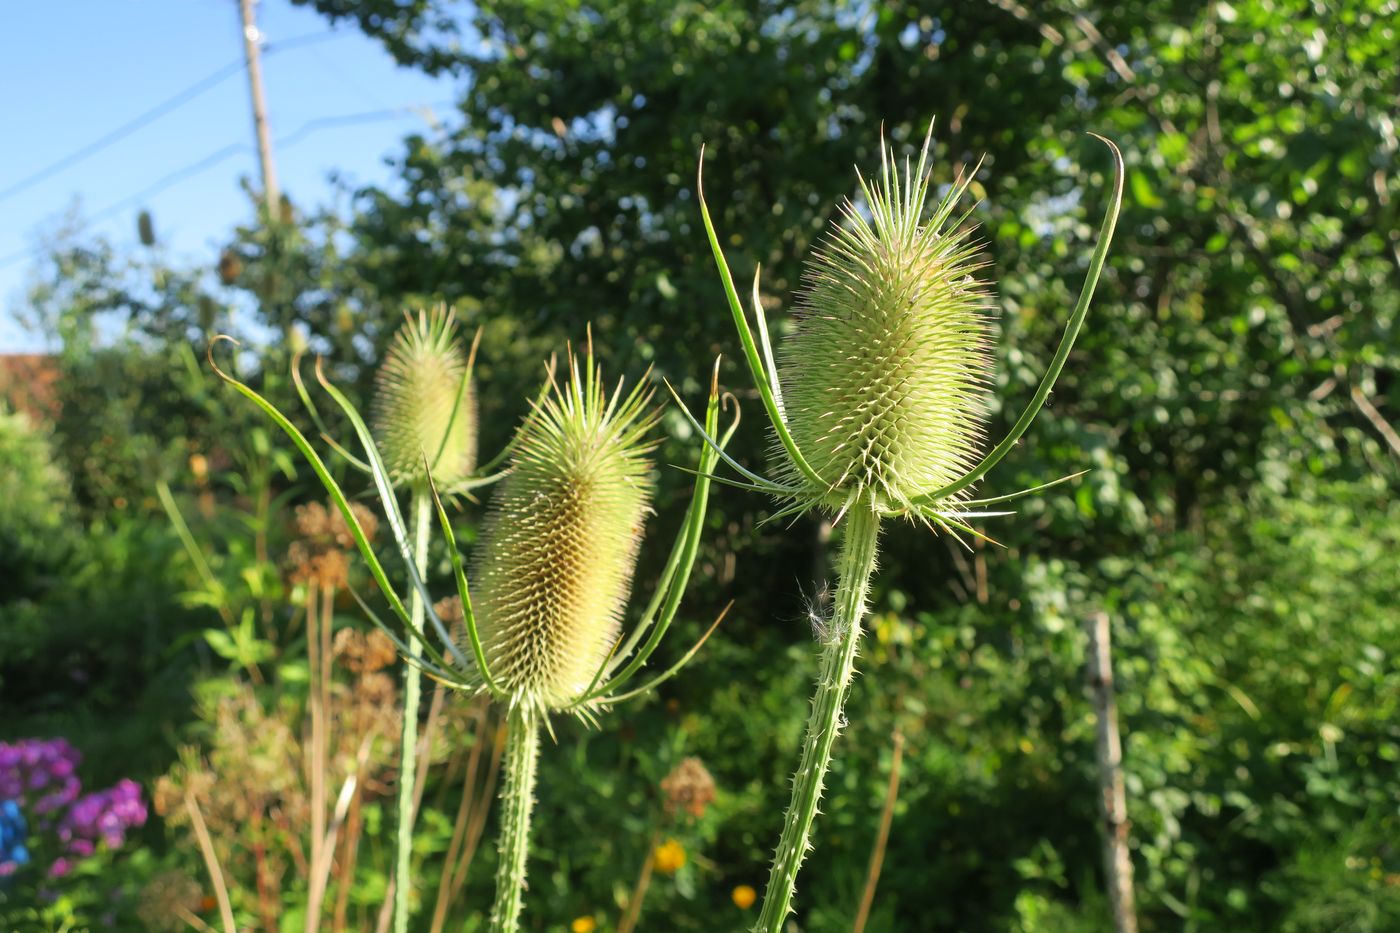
(517, 800)
(833, 684)
(412, 692)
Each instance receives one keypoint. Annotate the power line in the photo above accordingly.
(123, 131)
(159, 110)
(349, 119)
(208, 161)
(174, 178)
(309, 38)
(308, 128)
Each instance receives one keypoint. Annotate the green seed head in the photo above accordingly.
(146, 229)
(424, 403)
(561, 539)
(885, 373)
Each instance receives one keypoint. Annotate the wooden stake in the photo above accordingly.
(882, 837)
(1113, 802)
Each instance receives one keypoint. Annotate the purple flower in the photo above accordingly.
(40, 775)
(105, 815)
(30, 766)
(66, 793)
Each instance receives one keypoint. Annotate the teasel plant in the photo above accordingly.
(423, 417)
(423, 421)
(878, 405)
(544, 635)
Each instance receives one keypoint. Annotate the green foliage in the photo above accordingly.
(34, 523)
(1253, 265)
(1260, 682)
(102, 658)
(1244, 347)
(1346, 883)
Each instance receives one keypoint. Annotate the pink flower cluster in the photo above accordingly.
(40, 776)
(104, 816)
(40, 771)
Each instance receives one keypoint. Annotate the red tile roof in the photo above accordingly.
(28, 383)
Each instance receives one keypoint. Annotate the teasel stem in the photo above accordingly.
(857, 565)
(517, 802)
(422, 506)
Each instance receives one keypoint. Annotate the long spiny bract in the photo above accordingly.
(424, 403)
(884, 377)
(561, 540)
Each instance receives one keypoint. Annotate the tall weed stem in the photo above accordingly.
(857, 564)
(517, 802)
(412, 693)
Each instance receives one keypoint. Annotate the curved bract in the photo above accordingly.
(560, 541)
(884, 376)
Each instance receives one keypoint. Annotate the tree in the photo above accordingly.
(1244, 341)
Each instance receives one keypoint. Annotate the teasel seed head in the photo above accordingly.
(884, 376)
(561, 537)
(146, 228)
(425, 404)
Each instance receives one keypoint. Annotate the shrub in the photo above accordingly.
(34, 530)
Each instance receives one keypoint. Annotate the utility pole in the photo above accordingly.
(1113, 804)
(271, 191)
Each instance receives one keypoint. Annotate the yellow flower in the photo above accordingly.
(743, 896)
(583, 925)
(668, 857)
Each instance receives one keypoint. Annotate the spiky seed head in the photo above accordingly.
(146, 228)
(424, 403)
(561, 537)
(884, 377)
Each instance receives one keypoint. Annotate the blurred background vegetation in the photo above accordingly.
(1234, 395)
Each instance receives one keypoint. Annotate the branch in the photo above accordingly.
(1378, 421)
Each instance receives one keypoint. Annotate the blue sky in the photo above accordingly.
(74, 70)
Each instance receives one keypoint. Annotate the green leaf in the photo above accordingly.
(1143, 195)
(222, 643)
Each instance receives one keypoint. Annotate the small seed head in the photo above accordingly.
(146, 229)
(424, 406)
(561, 539)
(689, 787)
(230, 266)
(363, 652)
(884, 375)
